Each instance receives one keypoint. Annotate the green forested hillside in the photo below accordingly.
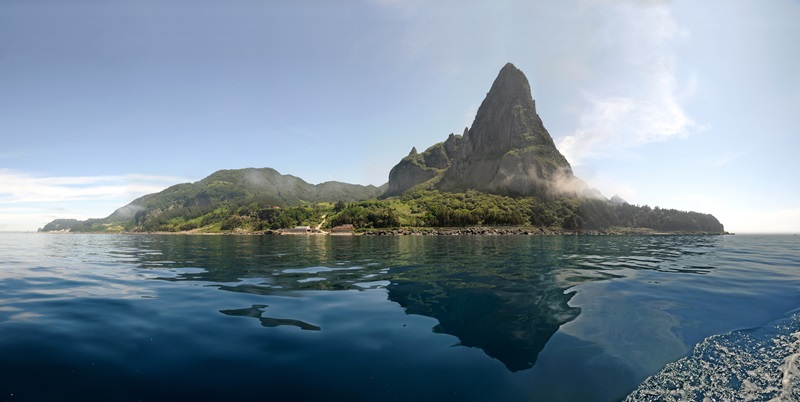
(215, 199)
(253, 200)
(432, 208)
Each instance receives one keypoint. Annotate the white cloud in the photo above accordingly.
(28, 201)
(638, 101)
(20, 188)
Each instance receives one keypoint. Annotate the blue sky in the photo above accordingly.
(686, 105)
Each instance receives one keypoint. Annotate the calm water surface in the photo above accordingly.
(507, 318)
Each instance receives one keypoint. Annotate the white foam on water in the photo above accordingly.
(760, 364)
(791, 373)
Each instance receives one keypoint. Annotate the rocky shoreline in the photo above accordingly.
(466, 231)
(522, 231)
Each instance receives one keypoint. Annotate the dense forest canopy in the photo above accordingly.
(422, 208)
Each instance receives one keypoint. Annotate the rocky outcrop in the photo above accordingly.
(407, 174)
(519, 231)
(506, 151)
(417, 168)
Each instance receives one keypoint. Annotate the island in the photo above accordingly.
(502, 175)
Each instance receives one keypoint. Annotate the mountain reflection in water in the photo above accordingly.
(507, 304)
(506, 326)
(158, 317)
(505, 295)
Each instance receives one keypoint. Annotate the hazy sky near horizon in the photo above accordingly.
(677, 104)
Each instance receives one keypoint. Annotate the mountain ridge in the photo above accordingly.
(236, 187)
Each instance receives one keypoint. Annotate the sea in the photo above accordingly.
(139, 317)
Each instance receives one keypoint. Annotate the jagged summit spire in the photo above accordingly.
(507, 117)
(511, 83)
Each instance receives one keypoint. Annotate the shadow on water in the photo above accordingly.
(257, 311)
(505, 295)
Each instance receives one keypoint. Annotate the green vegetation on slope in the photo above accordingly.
(225, 199)
(430, 208)
(254, 200)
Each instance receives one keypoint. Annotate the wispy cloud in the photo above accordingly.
(17, 187)
(640, 100)
(28, 201)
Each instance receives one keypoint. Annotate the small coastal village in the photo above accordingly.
(341, 230)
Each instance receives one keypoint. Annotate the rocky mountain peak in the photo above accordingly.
(510, 83)
(507, 117)
(506, 151)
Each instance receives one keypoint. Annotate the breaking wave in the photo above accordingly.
(761, 364)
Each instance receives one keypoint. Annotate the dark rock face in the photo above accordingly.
(506, 151)
(406, 174)
(507, 117)
(418, 168)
